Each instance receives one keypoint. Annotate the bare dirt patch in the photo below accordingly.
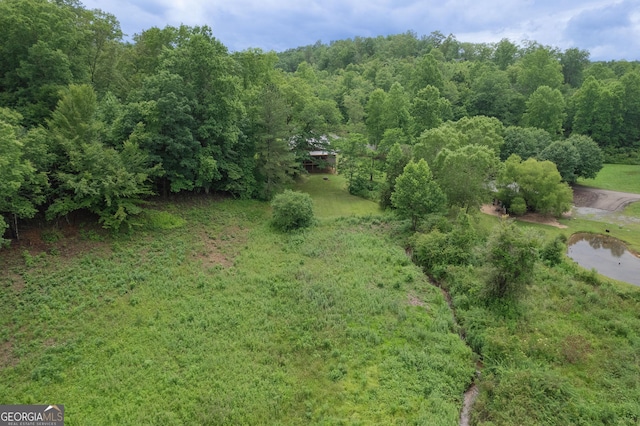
(7, 358)
(414, 300)
(603, 199)
(528, 217)
(221, 248)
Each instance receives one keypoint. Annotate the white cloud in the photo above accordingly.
(610, 30)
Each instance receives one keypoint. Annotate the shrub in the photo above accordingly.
(511, 254)
(292, 210)
(518, 206)
(553, 252)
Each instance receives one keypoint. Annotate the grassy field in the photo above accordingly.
(331, 198)
(616, 177)
(208, 316)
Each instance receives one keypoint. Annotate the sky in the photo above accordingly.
(609, 30)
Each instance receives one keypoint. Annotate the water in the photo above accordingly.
(607, 255)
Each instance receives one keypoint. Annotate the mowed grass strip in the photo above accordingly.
(331, 198)
(224, 321)
(616, 177)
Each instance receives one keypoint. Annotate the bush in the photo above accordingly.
(553, 252)
(518, 206)
(292, 210)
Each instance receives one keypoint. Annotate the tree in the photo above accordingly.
(573, 62)
(590, 156)
(428, 110)
(199, 79)
(598, 111)
(432, 141)
(375, 120)
(21, 184)
(396, 109)
(166, 105)
(276, 163)
(565, 156)
(536, 183)
(505, 54)
(492, 95)
(398, 157)
(631, 109)
(89, 175)
(526, 142)
(481, 130)
(41, 43)
(292, 210)
(511, 254)
(416, 194)
(352, 151)
(426, 73)
(464, 174)
(546, 110)
(538, 68)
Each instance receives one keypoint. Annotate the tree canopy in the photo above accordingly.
(92, 122)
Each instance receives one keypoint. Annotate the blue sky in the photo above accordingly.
(607, 29)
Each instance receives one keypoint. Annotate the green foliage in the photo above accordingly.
(161, 220)
(598, 111)
(492, 94)
(511, 254)
(574, 61)
(518, 206)
(553, 252)
(91, 176)
(376, 123)
(439, 248)
(465, 174)
(416, 194)
(546, 110)
(538, 183)
(538, 68)
(21, 184)
(146, 309)
(565, 156)
(398, 157)
(428, 110)
(591, 157)
(525, 142)
(292, 211)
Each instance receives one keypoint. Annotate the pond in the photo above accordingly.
(607, 255)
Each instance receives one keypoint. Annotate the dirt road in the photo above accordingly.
(584, 196)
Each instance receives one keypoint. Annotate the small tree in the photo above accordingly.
(590, 156)
(565, 156)
(417, 194)
(511, 254)
(292, 210)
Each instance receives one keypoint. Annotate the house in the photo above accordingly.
(322, 158)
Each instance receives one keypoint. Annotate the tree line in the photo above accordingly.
(89, 121)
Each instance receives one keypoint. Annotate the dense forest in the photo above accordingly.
(90, 121)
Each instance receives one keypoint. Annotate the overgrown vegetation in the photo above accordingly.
(225, 321)
(292, 211)
(207, 314)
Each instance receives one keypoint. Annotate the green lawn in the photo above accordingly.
(616, 177)
(218, 319)
(331, 198)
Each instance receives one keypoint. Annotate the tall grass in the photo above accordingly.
(217, 319)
